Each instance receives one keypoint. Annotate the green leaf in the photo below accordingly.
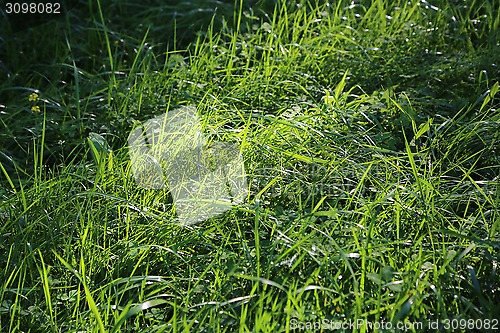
(423, 128)
(404, 311)
(99, 147)
(387, 273)
(489, 95)
(135, 310)
(374, 277)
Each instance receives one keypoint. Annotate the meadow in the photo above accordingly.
(370, 133)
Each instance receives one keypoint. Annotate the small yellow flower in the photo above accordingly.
(35, 108)
(33, 97)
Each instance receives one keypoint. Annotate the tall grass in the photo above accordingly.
(370, 137)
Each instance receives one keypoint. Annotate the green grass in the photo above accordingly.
(370, 134)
